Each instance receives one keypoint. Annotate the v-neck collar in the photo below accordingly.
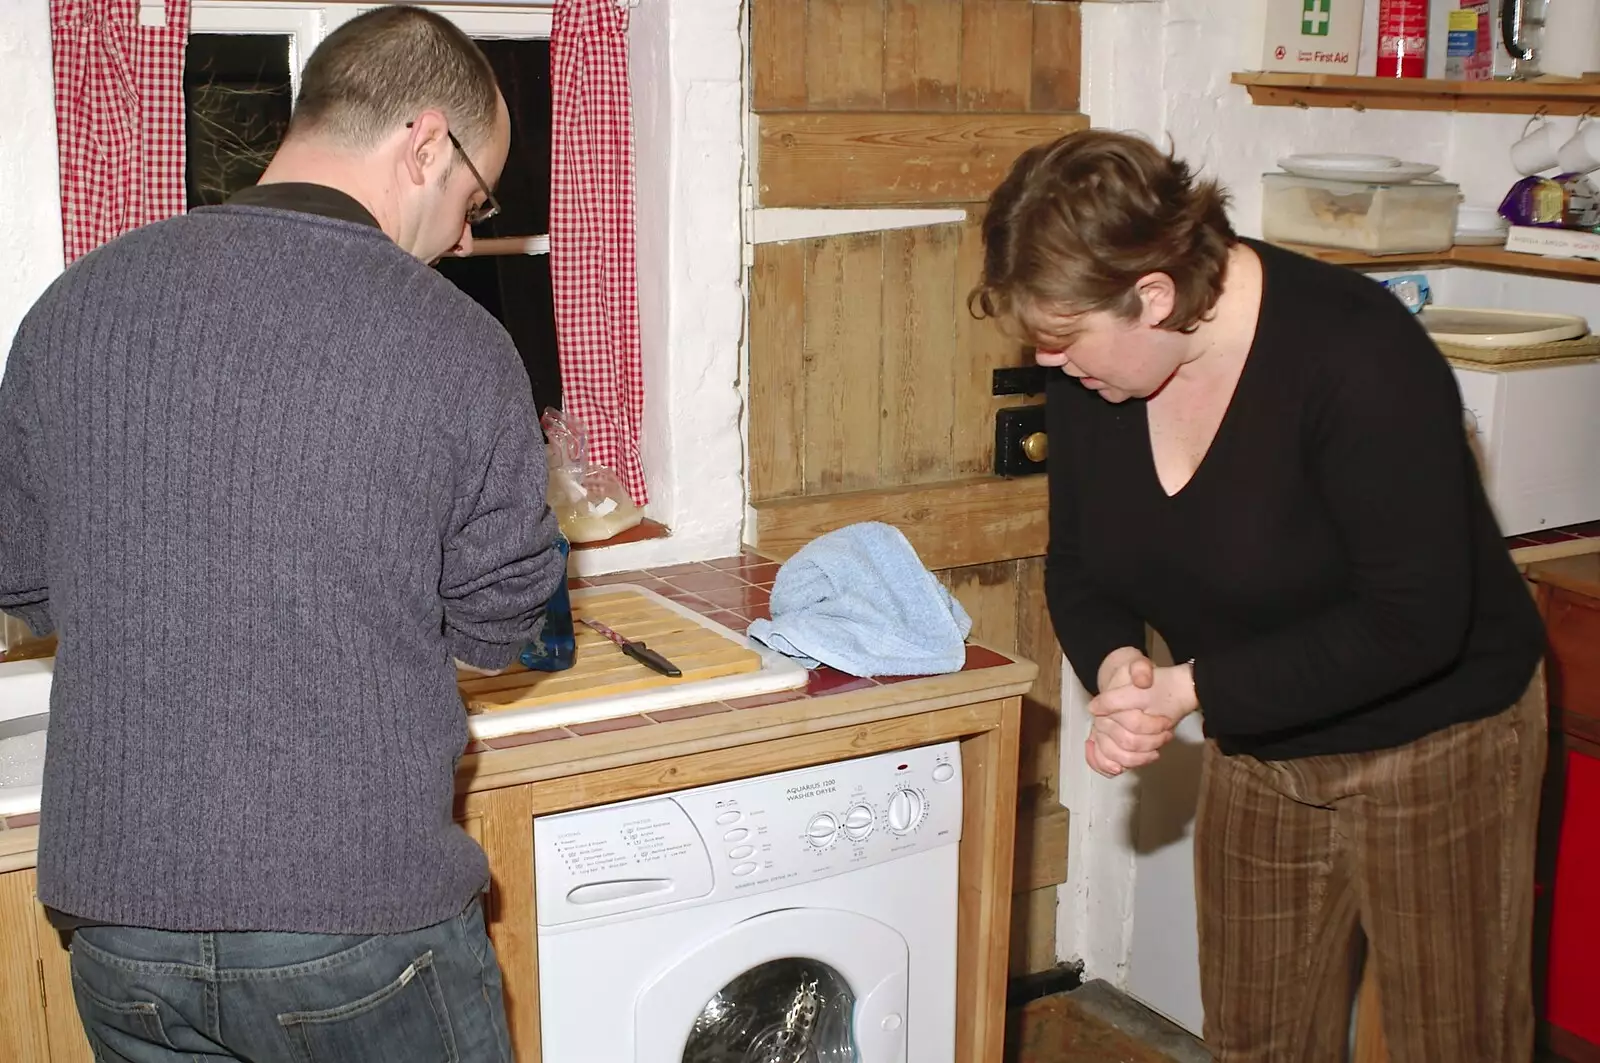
(1229, 414)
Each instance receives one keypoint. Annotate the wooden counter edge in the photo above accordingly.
(573, 756)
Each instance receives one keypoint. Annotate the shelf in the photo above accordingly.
(1563, 97)
(1496, 258)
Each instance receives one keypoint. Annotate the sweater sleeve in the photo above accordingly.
(1387, 453)
(24, 584)
(501, 564)
(1088, 623)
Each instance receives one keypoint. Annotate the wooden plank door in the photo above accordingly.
(870, 383)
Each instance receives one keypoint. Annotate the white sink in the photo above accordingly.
(21, 763)
(25, 688)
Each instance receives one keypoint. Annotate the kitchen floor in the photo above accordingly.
(1096, 1024)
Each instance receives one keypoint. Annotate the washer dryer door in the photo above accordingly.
(798, 985)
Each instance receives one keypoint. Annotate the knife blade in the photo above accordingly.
(637, 650)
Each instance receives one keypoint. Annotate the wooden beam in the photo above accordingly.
(951, 525)
(843, 158)
(1041, 845)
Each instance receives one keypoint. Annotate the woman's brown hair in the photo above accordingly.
(1077, 222)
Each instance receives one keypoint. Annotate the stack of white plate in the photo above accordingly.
(1481, 227)
(1350, 166)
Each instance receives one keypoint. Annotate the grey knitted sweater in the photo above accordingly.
(266, 474)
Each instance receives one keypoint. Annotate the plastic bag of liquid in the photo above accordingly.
(589, 501)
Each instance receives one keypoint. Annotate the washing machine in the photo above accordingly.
(802, 917)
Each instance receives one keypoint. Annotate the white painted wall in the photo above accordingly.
(1162, 68)
(30, 196)
(687, 61)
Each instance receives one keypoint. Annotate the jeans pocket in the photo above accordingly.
(117, 1029)
(405, 1021)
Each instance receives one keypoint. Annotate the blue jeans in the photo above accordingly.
(427, 996)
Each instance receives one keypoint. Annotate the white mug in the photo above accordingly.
(1581, 153)
(1537, 149)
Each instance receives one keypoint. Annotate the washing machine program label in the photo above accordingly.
(644, 840)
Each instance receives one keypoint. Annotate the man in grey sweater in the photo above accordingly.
(266, 473)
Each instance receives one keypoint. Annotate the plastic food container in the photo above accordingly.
(1379, 219)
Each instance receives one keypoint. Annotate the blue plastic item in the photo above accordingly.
(1412, 289)
(554, 648)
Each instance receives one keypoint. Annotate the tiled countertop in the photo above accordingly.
(732, 591)
(1555, 542)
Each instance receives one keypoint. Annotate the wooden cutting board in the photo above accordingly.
(601, 669)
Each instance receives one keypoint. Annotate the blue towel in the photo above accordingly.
(859, 600)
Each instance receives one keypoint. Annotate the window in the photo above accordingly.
(242, 70)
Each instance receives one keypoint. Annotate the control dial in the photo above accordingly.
(858, 821)
(906, 809)
(823, 830)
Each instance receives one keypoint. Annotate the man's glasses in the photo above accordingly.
(490, 205)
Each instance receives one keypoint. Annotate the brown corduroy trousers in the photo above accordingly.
(1425, 851)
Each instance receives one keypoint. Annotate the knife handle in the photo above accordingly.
(651, 659)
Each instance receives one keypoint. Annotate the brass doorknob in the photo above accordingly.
(1036, 446)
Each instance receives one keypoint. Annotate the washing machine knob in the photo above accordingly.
(822, 830)
(858, 821)
(906, 807)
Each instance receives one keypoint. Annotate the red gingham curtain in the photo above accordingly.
(119, 117)
(593, 269)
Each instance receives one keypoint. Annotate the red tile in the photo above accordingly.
(756, 701)
(761, 573)
(1546, 536)
(476, 747)
(688, 712)
(738, 599)
(729, 620)
(1591, 530)
(758, 612)
(707, 581)
(577, 582)
(527, 738)
(1518, 542)
(680, 570)
(740, 561)
(981, 657)
(889, 680)
(24, 819)
(616, 723)
(827, 680)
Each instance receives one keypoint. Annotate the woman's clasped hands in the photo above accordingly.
(1136, 710)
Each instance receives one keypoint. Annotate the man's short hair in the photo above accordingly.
(381, 69)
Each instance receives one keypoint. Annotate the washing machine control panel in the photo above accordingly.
(747, 836)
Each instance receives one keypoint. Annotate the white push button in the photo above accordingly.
(737, 834)
(744, 869)
(730, 816)
(891, 1022)
(943, 773)
(741, 852)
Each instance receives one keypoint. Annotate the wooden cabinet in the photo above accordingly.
(1568, 929)
(38, 1018)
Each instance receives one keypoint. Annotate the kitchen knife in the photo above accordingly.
(637, 650)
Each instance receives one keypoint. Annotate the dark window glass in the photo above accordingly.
(237, 94)
(516, 288)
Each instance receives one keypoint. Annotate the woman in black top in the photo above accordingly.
(1263, 457)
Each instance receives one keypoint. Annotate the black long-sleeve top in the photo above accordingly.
(1333, 565)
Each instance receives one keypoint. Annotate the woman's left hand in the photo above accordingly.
(1171, 696)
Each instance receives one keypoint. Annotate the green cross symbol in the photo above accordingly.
(1315, 16)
